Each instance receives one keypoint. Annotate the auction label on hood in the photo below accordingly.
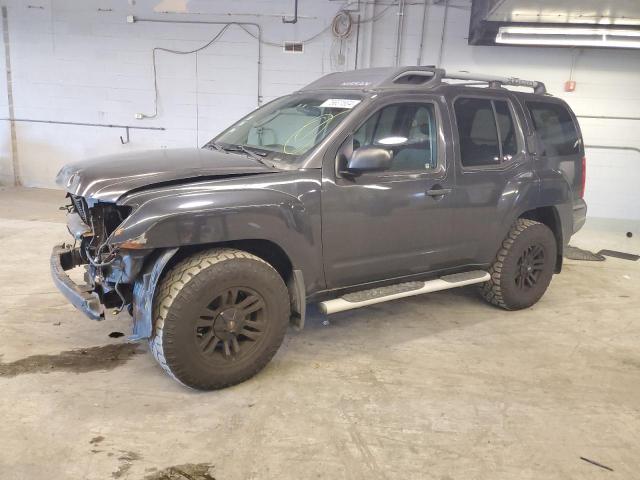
(340, 103)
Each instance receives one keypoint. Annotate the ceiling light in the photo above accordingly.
(569, 36)
(392, 140)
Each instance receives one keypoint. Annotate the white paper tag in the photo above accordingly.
(340, 103)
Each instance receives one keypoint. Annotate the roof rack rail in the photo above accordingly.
(495, 81)
(429, 76)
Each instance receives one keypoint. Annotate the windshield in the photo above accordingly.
(289, 127)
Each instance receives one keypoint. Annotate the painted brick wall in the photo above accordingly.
(81, 61)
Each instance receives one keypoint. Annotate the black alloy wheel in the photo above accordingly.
(230, 326)
(530, 266)
(220, 316)
(523, 267)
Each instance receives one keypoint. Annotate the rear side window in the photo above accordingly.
(487, 131)
(555, 128)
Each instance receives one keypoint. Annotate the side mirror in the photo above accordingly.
(369, 159)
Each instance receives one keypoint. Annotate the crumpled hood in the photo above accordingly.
(107, 178)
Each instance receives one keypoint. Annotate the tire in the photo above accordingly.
(523, 266)
(220, 316)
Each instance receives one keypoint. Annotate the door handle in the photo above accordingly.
(438, 192)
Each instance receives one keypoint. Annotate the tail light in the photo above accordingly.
(583, 180)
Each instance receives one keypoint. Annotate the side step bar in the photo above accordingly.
(401, 290)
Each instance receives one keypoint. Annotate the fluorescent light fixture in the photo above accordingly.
(569, 36)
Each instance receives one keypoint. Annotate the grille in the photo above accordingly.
(80, 204)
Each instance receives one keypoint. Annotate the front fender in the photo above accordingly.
(223, 216)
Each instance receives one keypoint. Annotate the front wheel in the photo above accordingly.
(220, 317)
(523, 266)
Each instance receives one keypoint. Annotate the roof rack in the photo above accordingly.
(430, 76)
(496, 82)
(412, 78)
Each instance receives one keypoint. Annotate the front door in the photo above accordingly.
(398, 222)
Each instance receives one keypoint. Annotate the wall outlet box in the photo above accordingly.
(131, 19)
(139, 116)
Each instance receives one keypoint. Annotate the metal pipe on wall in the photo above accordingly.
(357, 41)
(613, 147)
(425, 11)
(607, 117)
(15, 164)
(444, 31)
(399, 32)
(82, 124)
(85, 124)
(295, 15)
(370, 11)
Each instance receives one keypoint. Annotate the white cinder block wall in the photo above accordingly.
(80, 61)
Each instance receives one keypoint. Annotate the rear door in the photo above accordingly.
(493, 170)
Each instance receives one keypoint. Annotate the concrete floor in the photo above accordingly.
(440, 386)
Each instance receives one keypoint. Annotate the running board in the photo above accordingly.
(401, 290)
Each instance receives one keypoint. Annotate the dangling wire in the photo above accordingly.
(341, 27)
(122, 299)
(342, 24)
(177, 52)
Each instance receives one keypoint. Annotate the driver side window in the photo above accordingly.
(408, 129)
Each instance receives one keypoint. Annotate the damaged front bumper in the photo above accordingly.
(121, 276)
(87, 299)
(83, 297)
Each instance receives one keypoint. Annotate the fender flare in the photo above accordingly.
(144, 293)
(145, 289)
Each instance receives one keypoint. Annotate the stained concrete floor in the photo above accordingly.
(440, 386)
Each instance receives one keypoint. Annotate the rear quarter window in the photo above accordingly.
(555, 128)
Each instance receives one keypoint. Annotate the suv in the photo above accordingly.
(362, 187)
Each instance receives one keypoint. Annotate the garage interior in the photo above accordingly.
(437, 386)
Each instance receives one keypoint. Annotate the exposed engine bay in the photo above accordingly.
(110, 274)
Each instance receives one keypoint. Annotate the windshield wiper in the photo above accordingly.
(255, 155)
(214, 145)
(239, 148)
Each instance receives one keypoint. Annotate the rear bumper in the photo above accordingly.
(579, 214)
(83, 297)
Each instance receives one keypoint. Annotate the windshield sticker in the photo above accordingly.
(339, 103)
(355, 84)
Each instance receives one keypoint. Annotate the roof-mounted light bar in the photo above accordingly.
(569, 36)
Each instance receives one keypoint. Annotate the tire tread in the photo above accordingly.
(492, 290)
(170, 288)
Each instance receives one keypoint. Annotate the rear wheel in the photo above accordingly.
(523, 266)
(220, 315)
